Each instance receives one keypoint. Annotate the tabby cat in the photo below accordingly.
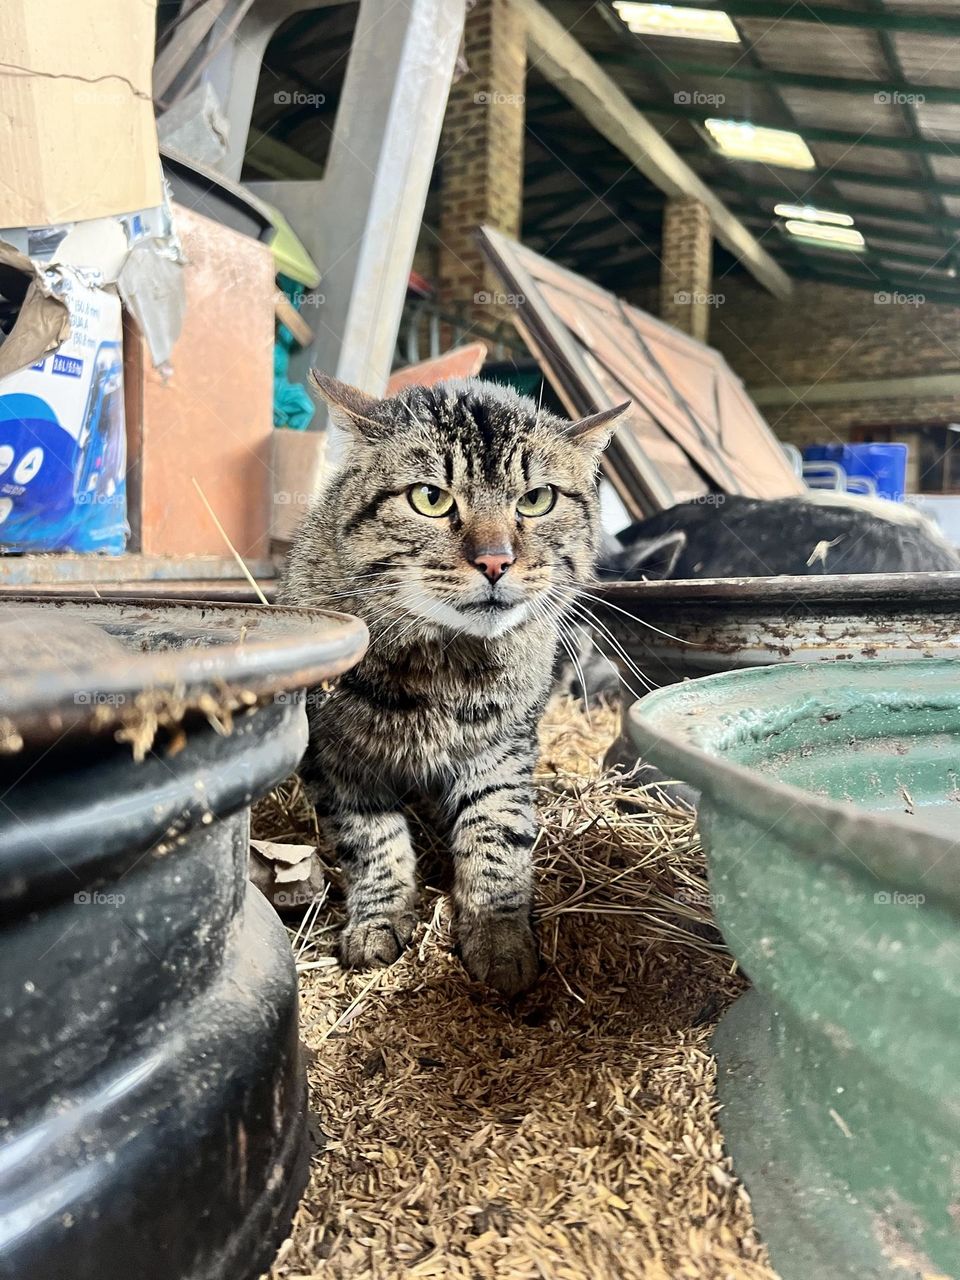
(458, 527)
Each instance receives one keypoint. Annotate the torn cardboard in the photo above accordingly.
(44, 321)
(152, 289)
(62, 425)
(139, 253)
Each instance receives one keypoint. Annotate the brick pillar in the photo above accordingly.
(686, 268)
(482, 155)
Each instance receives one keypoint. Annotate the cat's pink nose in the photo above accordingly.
(494, 563)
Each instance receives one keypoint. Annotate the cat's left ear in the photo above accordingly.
(594, 433)
(350, 408)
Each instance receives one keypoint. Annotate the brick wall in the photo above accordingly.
(481, 151)
(686, 266)
(830, 334)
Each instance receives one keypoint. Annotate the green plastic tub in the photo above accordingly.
(830, 812)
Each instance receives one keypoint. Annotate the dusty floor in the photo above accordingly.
(570, 1136)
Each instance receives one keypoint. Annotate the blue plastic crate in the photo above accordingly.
(884, 464)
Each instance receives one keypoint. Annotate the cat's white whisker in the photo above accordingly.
(583, 612)
(569, 594)
(608, 604)
(594, 640)
(568, 645)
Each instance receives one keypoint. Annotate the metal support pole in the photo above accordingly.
(381, 158)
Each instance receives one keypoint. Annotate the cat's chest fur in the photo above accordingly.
(436, 708)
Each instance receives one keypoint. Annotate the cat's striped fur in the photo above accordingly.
(443, 709)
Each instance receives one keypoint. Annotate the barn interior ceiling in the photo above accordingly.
(870, 87)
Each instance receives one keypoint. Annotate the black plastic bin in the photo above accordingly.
(151, 1094)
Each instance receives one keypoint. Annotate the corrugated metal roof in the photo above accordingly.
(909, 201)
(876, 98)
(928, 59)
(947, 168)
(892, 245)
(939, 122)
(948, 8)
(782, 45)
(828, 109)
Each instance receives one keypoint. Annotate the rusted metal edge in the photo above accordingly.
(213, 590)
(827, 587)
(28, 571)
(675, 630)
(233, 656)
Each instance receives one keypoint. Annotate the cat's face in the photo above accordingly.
(462, 506)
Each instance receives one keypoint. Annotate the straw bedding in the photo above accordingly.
(568, 1136)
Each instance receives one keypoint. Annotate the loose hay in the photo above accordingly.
(568, 1136)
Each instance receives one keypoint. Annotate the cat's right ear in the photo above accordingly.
(351, 409)
(594, 433)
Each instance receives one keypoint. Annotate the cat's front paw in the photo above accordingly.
(369, 944)
(500, 951)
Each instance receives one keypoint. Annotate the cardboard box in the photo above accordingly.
(211, 418)
(77, 110)
(299, 465)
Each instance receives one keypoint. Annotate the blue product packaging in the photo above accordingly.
(62, 435)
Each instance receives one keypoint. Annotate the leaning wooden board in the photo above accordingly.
(692, 429)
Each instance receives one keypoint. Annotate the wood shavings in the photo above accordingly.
(155, 709)
(568, 1136)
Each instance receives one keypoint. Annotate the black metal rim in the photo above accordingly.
(244, 652)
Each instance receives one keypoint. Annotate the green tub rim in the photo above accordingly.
(683, 730)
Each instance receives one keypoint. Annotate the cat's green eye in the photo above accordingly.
(429, 500)
(538, 501)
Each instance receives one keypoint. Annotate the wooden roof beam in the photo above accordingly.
(808, 179)
(567, 65)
